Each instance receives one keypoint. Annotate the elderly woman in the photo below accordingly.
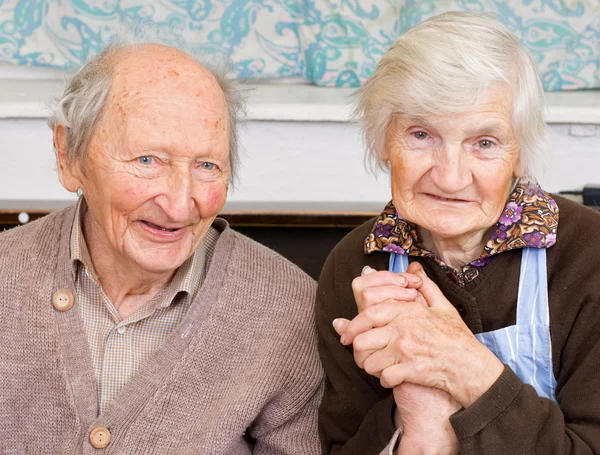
(136, 321)
(466, 319)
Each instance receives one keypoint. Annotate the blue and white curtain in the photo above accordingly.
(328, 42)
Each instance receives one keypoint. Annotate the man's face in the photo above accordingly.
(157, 167)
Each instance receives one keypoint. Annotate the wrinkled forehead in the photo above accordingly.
(493, 102)
(147, 75)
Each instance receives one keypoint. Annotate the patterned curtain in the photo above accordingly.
(334, 43)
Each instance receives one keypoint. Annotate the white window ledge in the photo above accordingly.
(28, 98)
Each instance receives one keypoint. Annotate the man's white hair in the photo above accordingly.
(80, 106)
(443, 66)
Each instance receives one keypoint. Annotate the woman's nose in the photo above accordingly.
(451, 172)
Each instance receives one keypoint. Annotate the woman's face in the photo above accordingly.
(451, 174)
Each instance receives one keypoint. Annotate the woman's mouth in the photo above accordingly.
(446, 199)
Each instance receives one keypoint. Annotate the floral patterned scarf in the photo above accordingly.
(529, 220)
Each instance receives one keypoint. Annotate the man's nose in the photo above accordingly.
(177, 201)
(451, 171)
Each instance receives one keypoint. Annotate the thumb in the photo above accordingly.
(340, 325)
(429, 290)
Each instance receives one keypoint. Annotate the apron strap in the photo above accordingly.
(532, 300)
(398, 263)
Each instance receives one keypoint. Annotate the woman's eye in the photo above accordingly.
(146, 159)
(420, 135)
(207, 166)
(485, 144)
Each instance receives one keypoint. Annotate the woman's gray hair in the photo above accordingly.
(79, 108)
(442, 66)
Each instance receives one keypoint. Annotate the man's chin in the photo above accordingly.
(160, 263)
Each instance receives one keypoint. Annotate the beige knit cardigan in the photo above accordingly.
(239, 375)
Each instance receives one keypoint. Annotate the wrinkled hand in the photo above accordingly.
(400, 339)
(424, 413)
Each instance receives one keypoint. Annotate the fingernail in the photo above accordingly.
(421, 271)
(415, 279)
(401, 280)
(367, 270)
(412, 292)
(336, 323)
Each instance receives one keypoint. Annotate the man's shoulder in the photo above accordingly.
(39, 236)
(260, 265)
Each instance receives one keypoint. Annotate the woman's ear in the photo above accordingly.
(68, 169)
(518, 170)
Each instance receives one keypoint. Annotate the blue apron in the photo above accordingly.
(525, 347)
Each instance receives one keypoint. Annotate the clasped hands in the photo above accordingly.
(411, 337)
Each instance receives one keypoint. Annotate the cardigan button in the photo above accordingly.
(63, 299)
(100, 437)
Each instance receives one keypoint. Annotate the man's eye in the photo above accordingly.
(208, 166)
(146, 159)
(420, 135)
(485, 144)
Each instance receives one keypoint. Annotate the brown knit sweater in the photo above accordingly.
(239, 375)
(356, 414)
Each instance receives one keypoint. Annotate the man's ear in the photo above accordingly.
(68, 170)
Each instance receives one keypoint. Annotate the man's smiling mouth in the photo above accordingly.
(160, 228)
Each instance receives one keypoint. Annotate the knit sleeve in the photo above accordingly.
(356, 416)
(511, 418)
(287, 424)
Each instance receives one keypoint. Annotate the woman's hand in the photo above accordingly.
(424, 413)
(430, 345)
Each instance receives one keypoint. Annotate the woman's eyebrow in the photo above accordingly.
(491, 128)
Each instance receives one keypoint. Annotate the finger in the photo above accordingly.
(370, 342)
(429, 290)
(340, 325)
(369, 278)
(378, 361)
(393, 376)
(375, 316)
(367, 270)
(377, 294)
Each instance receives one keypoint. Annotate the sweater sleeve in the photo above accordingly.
(295, 436)
(511, 418)
(356, 415)
(287, 424)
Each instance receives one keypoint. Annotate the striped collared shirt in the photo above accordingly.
(120, 346)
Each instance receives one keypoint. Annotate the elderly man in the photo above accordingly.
(136, 322)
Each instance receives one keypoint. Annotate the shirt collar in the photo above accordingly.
(187, 279)
(529, 220)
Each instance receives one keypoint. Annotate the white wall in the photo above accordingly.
(290, 164)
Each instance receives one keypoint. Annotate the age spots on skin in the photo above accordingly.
(173, 73)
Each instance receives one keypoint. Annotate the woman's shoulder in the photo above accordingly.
(577, 249)
(347, 259)
(578, 224)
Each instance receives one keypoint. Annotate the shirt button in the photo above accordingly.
(100, 437)
(462, 310)
(62, 299)
(121, 330)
